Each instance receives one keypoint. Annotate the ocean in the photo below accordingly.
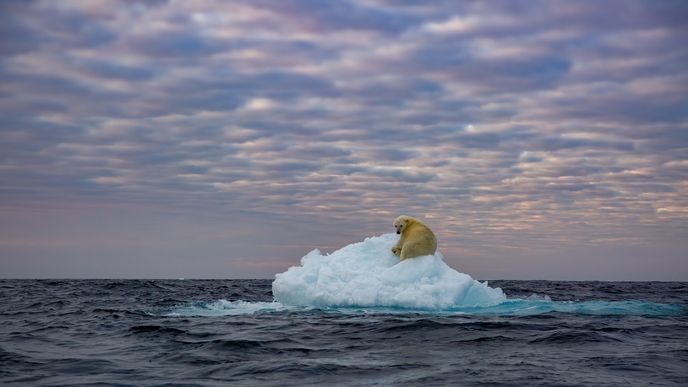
(231, 332)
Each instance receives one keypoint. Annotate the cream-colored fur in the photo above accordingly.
(416, 238)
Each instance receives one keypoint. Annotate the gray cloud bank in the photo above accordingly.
(540, 139)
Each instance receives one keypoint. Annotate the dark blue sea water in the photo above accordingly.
(222, 332)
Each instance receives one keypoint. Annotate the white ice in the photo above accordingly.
(367, 274)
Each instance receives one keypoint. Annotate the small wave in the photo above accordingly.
(510, 307)
(525, 307)
(567, 336)
(223, 308)
(156, 328)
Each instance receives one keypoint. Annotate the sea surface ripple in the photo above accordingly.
(220, 332)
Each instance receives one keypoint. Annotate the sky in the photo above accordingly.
(227, 139)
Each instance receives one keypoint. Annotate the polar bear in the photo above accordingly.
(416, 238)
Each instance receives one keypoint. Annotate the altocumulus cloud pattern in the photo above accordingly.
(515, 128)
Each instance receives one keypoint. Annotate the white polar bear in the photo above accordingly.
(416, 238)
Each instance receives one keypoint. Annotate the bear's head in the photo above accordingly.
(401, 222)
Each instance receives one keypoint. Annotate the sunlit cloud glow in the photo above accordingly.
(529, 135)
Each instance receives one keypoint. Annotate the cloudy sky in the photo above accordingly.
(216, 139)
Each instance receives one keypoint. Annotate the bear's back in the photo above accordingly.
(419, 228)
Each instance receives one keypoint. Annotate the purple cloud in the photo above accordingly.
(515, 128)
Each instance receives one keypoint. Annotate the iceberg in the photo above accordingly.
(367, 274)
